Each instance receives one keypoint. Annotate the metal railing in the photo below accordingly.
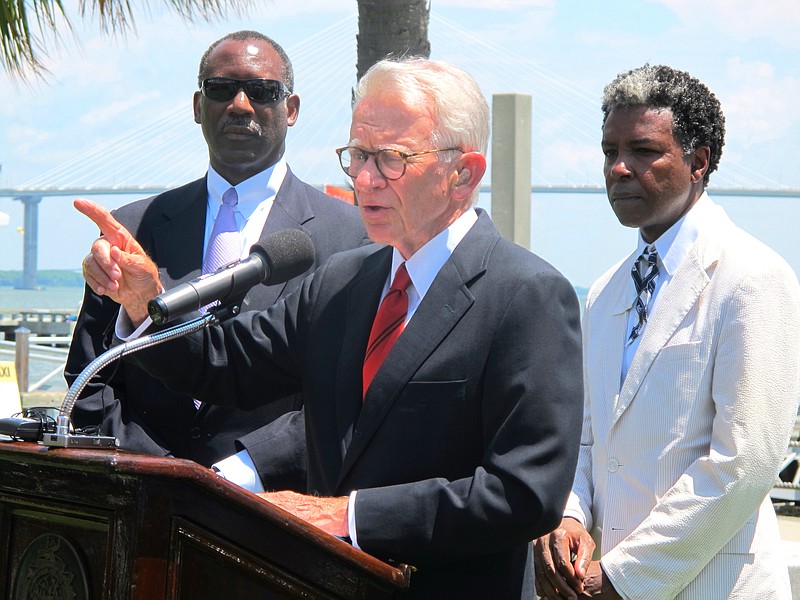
(41, 348)
(788, 486)
(54, 350)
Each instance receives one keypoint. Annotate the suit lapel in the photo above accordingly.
(178, 245)
(178, 238)
(363, 299)
(678, 298)
(290, 210)
(448, 298)
(612, 307)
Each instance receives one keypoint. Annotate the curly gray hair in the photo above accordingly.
(697, 118)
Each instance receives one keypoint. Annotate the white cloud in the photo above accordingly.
(777, 20)
(26, 141)
(763, 106)
(104, 114)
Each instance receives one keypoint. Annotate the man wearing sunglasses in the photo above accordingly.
(245, 104)
(457, 449)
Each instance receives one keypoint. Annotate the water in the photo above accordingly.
(67, 298)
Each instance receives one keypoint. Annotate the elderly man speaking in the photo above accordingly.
(440, 368)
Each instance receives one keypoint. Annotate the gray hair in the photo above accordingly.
(288, 73)
(460, 111)
(697, 118)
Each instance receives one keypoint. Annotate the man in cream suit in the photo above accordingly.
(691, 378)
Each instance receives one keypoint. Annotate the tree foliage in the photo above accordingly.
(30, 28)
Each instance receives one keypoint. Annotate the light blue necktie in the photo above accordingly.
(224, 245)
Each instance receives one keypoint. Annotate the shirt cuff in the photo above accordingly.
(576, 514)
(241, 470)
(123, 326)
(351, 520)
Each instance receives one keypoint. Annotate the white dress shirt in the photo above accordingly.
(672, 247)
(256, 196)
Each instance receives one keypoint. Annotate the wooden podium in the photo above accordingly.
(107, 524)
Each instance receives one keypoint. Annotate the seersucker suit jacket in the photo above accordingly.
(123, 401)
(465, 446)
(676, 465)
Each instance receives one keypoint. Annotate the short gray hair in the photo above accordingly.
(460, 111)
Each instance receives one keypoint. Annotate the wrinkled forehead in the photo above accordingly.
(383, 119)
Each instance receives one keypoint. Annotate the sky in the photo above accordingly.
(116, 111)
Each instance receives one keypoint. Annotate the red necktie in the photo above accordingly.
(388, 325)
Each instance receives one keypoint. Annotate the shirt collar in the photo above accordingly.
(252, 191)
(426, 262)
(675, 242)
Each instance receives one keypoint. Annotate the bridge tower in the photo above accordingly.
(30, 241)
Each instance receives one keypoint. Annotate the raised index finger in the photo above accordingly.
(116, 234)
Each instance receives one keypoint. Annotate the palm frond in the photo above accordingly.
(20, 42)
(29, 28)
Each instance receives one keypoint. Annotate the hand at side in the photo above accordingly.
(558, 574)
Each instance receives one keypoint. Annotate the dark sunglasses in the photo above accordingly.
(261, 91)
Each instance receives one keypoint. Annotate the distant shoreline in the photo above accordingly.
(67, 279)
(44, 278)
(73, 278)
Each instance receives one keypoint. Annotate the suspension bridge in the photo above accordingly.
(168, 149)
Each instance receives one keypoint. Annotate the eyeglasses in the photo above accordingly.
(391, 163)
(260, 91)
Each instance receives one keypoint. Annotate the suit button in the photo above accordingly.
(613, 465)
(195, 433)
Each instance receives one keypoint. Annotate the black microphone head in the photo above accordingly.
(289, 253)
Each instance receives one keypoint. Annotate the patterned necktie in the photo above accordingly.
(388, 325)
(644, 273)
(224, 245)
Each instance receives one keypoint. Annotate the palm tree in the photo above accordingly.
(396, 27)
(28, 27)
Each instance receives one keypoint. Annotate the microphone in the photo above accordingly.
(277, 258)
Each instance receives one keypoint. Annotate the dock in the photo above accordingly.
(39, 321)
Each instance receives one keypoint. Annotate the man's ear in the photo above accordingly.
(469, 172)
(700, 160)
(196, 106)
(292, 109)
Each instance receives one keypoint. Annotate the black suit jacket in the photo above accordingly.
(466, 444)
(124, 401)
